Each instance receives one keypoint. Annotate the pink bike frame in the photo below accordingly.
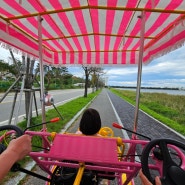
(98, 153)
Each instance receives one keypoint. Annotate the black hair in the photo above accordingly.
(90, 122)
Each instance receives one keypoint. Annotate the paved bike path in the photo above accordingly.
(104, 106)
(147, 125)
(112, 108)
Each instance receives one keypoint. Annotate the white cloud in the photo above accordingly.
(166, 71)
(123, 71)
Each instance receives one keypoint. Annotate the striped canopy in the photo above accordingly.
(92, 32)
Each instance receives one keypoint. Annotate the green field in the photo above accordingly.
(169, 109)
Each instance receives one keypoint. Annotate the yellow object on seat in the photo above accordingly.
(106, 132)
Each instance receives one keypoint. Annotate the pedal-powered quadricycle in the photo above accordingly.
(77, 159)
(96, 33)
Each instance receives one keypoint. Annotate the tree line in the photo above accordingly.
(54, 77)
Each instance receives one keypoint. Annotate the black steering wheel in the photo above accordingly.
(170, 154)
(18, 132)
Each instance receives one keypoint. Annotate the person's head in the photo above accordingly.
(90, 122)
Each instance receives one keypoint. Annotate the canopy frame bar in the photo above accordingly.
(139, 74)
(136, 9)
(41, 70)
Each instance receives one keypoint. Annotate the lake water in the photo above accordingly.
(167, 91)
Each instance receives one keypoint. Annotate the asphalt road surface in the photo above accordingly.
(60, 97)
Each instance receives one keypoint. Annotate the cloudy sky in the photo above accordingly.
(166, 71)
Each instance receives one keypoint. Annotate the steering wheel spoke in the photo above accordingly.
(170, 155)
(167, 160)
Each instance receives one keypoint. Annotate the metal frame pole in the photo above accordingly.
(13, 107)
(20, 98)
(35, 101)
(30, 109)
(142, 17)
(40, 19)
(57, 111)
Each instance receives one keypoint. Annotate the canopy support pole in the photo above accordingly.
(40, 19)
(142, 17)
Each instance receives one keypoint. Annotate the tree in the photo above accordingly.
(61, 73)
(29, 80)
(87, 71)
(53, 74)
(6, 69)
(23, 71)
(96, 72)
(49, 75)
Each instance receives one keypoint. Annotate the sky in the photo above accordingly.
(166, 71)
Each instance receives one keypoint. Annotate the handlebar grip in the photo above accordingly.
(54, 120)
(116, 125)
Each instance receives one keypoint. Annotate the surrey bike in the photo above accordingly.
(77, 159)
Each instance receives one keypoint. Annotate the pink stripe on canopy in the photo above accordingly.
(93, 32)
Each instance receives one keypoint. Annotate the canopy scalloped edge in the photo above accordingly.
(93, 32)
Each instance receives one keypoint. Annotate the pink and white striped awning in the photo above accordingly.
(94, 32)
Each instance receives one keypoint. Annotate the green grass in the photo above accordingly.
(169, 109)
(68, 111)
